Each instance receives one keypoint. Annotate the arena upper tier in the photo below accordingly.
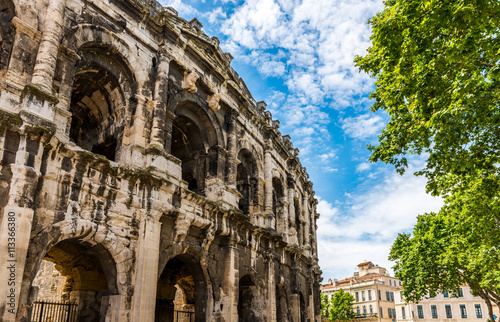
(134, 158)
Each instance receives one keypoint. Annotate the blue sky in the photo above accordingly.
(297, 55)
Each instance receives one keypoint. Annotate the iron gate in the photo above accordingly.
(183, 316)
(45, 311)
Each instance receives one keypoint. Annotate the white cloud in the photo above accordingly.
(329, 169)
(363, 126)
(215, 15)
(365, 166)
(363, 226)
(184, 9)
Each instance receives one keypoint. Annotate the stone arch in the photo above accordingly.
(256, 154)
(251, 301)
(183, 271)
(102, 99)
(7, 14)
(247, 181)
(83, 34)
(199, 107)
(196, 141)
(79, 236)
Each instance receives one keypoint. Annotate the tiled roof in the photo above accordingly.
(365, 263)
(359, 279)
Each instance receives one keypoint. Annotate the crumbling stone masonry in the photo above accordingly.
(134, 158)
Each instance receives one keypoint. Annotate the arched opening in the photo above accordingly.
(187, 146)
(298, 226)
(181, 292)
(303, 311)
(194, 142)
(99, 101)
(246, 181)
(77, 273)
(249, 309)
(277, 199)
(7, 12)
(281, 304)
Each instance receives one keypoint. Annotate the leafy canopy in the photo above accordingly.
(338, 308)
(438, 78)
(436, 64)
(456, 246)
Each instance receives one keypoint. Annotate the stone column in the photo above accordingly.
(231, 166)
(268, 178)
(15, 228)
(292, 231)
(271, 291)
(25, 39)
(46, 58)
(63, 115)
(284, 213)
(291, 199)
(295, 307)
(140, 120)
(230, 284)
(160, 98)
(146, 280)
(307, 231)
(169, 123)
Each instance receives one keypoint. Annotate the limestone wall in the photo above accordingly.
(134, 157)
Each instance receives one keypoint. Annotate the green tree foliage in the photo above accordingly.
(436, 65)
(437, 76)
(339, 308)
(456, 246)
(325, 307)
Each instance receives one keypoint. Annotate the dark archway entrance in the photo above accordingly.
(187, 146)
(250, 302)
(77, 273)
(181, 292)
(100, 100)
(246, 181)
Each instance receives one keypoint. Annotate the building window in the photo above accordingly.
(357, 310)
(371, 308)
(445, 294)
(403, 313)
(460, 293)
(390, 313)
(392, 296)
(447, 308)
(387, 296)
(379, 296)
(364, 309)
(390, 282)
(399, 283)
(402, 296)
(479, 314)
(463, 311)
(394, 313)
(434, 312)
(420, 312)
(357, 297)
(381, 313)
(363, 295)
(370, 295)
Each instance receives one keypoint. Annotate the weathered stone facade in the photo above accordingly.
(135, 159)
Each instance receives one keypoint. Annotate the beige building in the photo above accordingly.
(373, 290)
(443, 307)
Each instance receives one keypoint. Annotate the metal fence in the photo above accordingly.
(183, 316)
(45, 311)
